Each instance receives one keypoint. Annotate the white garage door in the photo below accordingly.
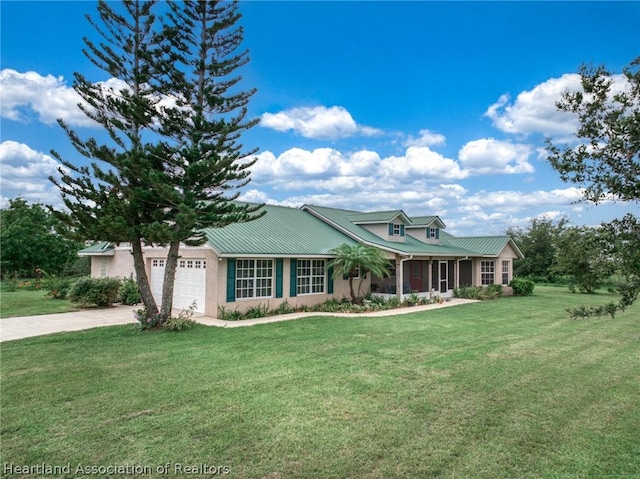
(189, 286)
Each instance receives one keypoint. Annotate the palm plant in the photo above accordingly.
(351, 259)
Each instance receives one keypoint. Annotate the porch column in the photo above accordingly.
(456, 282)
(399, 277)
(430, 276)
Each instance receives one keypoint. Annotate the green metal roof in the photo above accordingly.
(376, 216)
(280, 231)
(342, 219)
(426, 221)
(482, 245)
(102, 248)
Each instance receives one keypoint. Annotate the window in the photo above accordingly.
(505, 272)
(432, 232)
(103, 267)
(254, 278)
(311, 276)
(396, 229)
(487, 272)
(157, 263)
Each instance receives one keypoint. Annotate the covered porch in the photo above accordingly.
(425, 277)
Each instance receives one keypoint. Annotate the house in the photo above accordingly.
(283, 256)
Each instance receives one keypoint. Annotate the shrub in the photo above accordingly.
(234, 315)
(146, 321)
(57, 287)
(129, 293)
(256, 312)
(99, 292)
(522, 286)
(283, 308)
(183, 321)
(493, 291)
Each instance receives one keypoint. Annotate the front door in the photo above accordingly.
(444, 278)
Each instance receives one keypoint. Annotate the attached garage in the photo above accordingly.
(190, 283)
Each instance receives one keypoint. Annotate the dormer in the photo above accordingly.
(388, 225)
(426, 229)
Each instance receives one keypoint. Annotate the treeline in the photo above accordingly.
(33, 243)
(557, 252)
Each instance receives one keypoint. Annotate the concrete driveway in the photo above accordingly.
(28, 326)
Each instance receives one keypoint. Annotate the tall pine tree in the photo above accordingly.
(204, 162)
(168, 171)
(110, 199)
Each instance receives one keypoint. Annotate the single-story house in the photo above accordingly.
(283, 256)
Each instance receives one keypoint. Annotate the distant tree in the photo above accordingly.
(29, 240)
(355, 260)
(606, 163)
(580, 256)
(538, 245)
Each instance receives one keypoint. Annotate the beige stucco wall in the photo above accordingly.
(120, 264)
(340, 290)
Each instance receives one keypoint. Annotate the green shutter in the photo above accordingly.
(330, 280)
(437, 233)
(231, 280)
(278, 277)
(390, 229)
(293, 278)
(401, 230)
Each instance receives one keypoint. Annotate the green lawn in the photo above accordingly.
(500, 389)
(29, 303)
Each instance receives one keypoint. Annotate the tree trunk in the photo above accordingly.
(354, 299)
(142, 279)
(169, 280)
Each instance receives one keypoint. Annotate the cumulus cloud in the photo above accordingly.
(25, 173)
(426, 138)
(24, 94)
(47, 96)
(423, 162)
(319, 123)
(535, 111)
(490, 156)
(298, 163)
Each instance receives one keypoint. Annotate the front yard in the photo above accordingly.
(509, 388)
(24, 302)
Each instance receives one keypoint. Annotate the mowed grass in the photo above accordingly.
(30, 303)
(510, 388)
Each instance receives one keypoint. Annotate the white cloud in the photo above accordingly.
(490, 156)
(25, 173)
(426, 138)
(422, 162)
(320, 123)
(48, 96)
(535, 111)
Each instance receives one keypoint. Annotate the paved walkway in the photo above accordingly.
(28, 326)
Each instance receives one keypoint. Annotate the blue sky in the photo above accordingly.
(430, 107)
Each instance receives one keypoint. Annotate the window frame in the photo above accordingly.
(254, 278)
(506, 266)
(487, 272)
(308, 280)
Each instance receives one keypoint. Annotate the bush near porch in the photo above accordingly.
(498, 389)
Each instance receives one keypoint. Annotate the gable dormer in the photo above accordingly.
(426, 229)
(388, 225)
